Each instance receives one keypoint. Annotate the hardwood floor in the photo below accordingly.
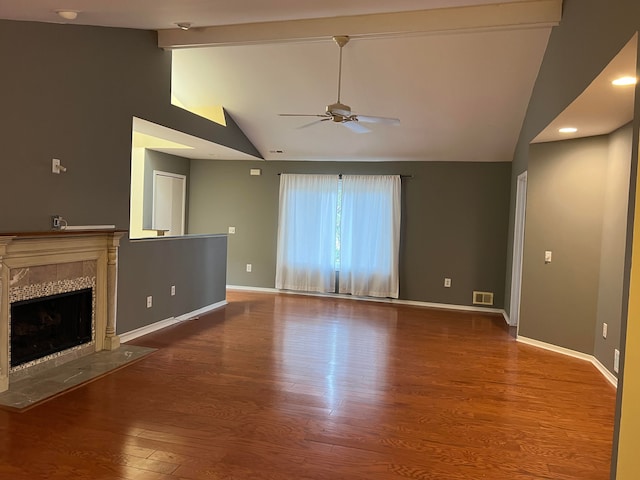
(295, 387)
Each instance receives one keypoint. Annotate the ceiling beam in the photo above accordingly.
(525, 14)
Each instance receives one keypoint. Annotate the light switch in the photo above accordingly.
(547, 256)
(232, 230)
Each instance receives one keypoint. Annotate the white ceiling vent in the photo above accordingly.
(482, 298)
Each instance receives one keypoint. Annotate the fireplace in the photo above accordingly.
(57, 299)
(47, 325)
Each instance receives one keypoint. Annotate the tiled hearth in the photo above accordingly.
(35, 265)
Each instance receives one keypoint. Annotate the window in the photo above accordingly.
(349, 225)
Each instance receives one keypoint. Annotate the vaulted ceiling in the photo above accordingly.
(457, 73)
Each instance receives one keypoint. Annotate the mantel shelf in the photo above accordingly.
(56, 233)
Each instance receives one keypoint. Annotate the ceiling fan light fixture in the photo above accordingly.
(68, 14)
(183, 25)
(624, 81)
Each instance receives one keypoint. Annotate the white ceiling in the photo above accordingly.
(460, 92)
(459, 97)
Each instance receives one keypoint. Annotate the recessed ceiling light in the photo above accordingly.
(568, 130)
(68, 14)
(625, 81)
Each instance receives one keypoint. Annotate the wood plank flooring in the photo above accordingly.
(295, 387)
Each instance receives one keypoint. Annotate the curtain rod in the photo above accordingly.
(340, 175)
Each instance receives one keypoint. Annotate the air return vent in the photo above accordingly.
(482, 298)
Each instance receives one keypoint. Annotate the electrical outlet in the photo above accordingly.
(447, 282)
(173, 290)
(616, 360)
(249, 267)
(149, 301)
(604, 330)
(55, 222)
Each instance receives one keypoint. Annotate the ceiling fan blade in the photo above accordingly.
(312, 123)
(385, 120)
(301, 115)
(354, 126)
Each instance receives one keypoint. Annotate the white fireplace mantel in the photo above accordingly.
(38, 257)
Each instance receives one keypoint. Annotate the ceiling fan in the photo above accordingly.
(339, 112)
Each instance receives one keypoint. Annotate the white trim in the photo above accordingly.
(154, 327)
(201, 311)
(518, 249)
(571, 353)
(254, 289)
(442, 306)
(445, 306)
(603, 370)
(506, 317)
(554, 348)
(531, 14)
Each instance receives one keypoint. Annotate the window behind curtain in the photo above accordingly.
(370, 235)
(351, 225)
(307, 232)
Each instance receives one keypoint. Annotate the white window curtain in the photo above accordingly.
(307, 233)
(370, 235)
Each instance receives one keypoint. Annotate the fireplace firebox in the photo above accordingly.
(47, 325)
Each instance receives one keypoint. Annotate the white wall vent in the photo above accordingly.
(482, 298)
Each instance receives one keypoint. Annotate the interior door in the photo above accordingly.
(169, 197)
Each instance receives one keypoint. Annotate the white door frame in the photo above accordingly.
(183, 179)
(518, 250)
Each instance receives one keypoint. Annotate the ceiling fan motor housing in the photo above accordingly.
(339, 109)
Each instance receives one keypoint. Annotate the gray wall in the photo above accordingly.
(163, 162)
(454, 221)
(70, 92)
(613, 245)
(151, 267)
(590, 34)
(565, 197)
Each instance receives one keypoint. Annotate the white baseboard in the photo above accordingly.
(606, 373)
(255, 289)
(611, 378)
(447, 306)
(442, 306)
(154, 327)
(201, 311)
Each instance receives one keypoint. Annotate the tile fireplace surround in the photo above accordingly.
(39, 264)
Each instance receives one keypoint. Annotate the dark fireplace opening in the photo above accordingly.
(46, 325)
